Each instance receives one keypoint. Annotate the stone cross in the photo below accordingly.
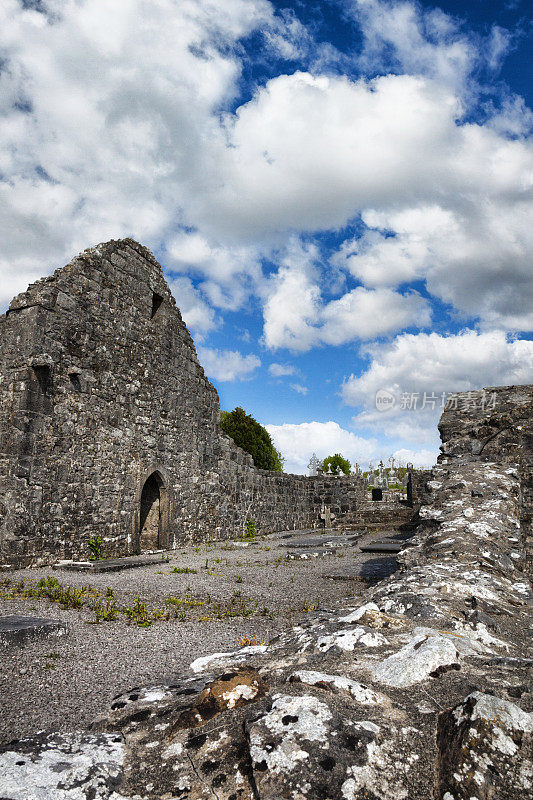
(382, 481)
(313, 465)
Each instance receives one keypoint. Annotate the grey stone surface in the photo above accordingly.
(370, 571)
(382, 547)
(320, 541)
(78, 766)
(108, 564)
(18, 630)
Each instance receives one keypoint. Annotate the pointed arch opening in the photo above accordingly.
(153, 514)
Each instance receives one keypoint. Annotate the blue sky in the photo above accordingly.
(339, 192)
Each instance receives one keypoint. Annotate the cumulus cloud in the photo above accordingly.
(227, 365)
(230, 272)
(476, 258)
(418, 371)
(105, 116)
(420, 459)
(296, 317)
(119, 120)
(445, 201)
(368, 313)
(297, 443)
(197, 314)
(404, 37)
(101, 143)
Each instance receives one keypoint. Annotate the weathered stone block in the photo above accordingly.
(19, 630)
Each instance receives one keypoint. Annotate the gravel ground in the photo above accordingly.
(63, 683)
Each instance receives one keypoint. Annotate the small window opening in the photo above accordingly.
(44, 378)
(157, 299)
(75, 381)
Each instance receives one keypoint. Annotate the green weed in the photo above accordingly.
(185, 570)
(96, 548)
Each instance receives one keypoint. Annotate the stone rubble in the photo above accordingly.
(424, 690)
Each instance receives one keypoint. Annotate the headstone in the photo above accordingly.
(382, 481)
(110, 564)
(313, 465)
(409, 488)
(377, 494)
(327, 516)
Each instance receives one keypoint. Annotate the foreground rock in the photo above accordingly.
(422, 691)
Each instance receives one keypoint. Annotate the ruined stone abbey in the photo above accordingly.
(109, 426)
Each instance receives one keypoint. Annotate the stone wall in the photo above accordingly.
(100, 388)
(494, 424)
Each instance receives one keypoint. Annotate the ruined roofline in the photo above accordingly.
(103, 250)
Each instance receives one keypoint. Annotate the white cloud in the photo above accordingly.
(367, 313)
(281, 370)
(292, 307)
(404, 36)
(101, 143)
(332, 147)
(197, 314)
(420, 459)
(106, 111)
(298, 387)
(435, 365)
(114, 123)
(443, 201)
(231, 272)
(477, 258)
(227, 365)
(295, 316)
(297, 443)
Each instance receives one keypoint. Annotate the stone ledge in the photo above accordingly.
(19, 630)
(109, 564)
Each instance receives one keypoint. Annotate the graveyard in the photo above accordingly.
(212, 597)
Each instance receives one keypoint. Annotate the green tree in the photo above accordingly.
(336, 461)
(252, 437)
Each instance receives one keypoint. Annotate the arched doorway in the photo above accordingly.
(150, 527)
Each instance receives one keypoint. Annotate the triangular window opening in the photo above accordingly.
(157, 299)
